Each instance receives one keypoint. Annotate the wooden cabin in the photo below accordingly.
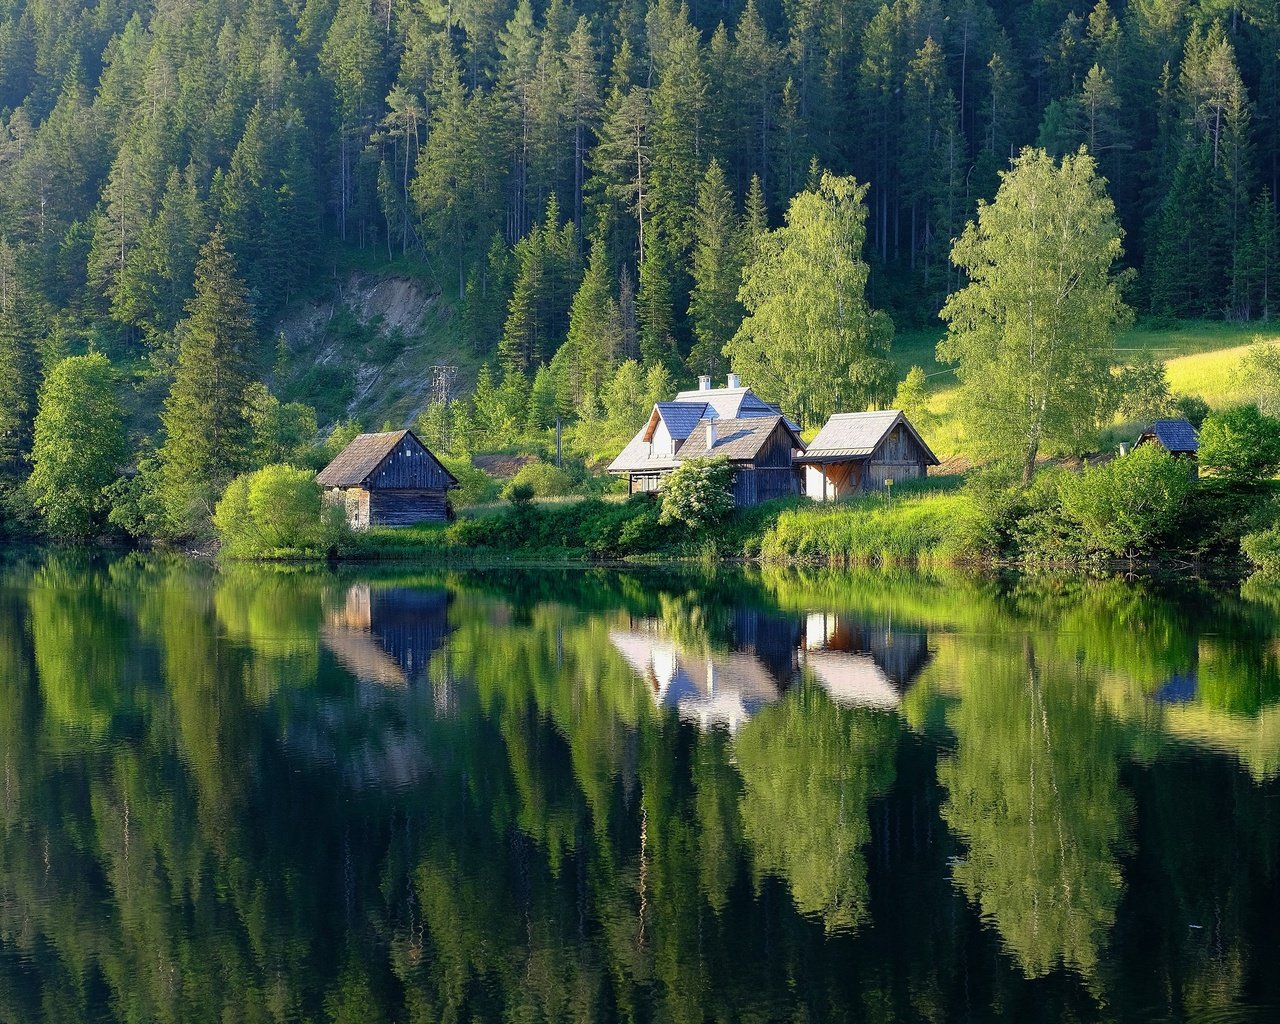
(856, 452)
(388, 479)
(748, 431)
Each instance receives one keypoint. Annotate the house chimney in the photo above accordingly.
(711, 434)
(734, 381)
(704, 382)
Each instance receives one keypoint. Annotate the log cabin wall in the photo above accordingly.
(405, 507)
(409, 467)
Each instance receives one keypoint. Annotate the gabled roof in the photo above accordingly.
(680, 418)
(739, 440)
(358, 460)
(1173, 435)
(731, 403)
(856, 435)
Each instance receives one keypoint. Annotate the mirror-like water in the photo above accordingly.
(265, 795)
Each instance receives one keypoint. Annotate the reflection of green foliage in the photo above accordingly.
(80, 642)
(809, 770)
(1034, 794)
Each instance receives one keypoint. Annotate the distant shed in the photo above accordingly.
(388, 479)
(1177, 437)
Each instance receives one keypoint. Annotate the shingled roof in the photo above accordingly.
(738, 440)
(856, 435)
(358, 460)
(1173, 436)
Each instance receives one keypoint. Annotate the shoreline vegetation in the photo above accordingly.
(941, 522)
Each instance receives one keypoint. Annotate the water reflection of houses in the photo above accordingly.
(863, 664)
(387, 635)
(859, 664)
(385, 638)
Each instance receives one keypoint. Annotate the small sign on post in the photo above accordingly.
(888, 488)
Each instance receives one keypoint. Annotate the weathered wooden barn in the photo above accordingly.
(857, 452)
(710, 422)
(388, 479)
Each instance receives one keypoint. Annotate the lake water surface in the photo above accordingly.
(263, 795)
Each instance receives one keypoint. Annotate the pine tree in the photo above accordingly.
(653, 306)
(717, 274)
(595, 331)
(208, 437)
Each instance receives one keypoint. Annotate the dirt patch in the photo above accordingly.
(504, 467)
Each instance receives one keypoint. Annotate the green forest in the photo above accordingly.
(587, 187)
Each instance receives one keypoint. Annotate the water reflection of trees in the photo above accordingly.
(223, 834)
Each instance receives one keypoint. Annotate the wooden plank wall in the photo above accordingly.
(406, 507)
(752, 486)
(409, 467)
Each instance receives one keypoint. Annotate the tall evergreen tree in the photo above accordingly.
(717, 274)
(208, 436)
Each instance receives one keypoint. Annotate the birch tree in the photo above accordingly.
(1033, 332)
(810, 340)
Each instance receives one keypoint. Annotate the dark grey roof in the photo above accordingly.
(856, 435)
(739, 440)
(681, 417)
(1174, 435)
(358, 460)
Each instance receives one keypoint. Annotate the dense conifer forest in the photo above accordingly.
(585, 182)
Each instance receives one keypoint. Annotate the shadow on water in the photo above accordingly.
(632, 794)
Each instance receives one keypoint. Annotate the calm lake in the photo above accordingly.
(266, 795)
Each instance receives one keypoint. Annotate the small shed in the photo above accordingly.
(1177, 437)
(857, 452)
(388, 479)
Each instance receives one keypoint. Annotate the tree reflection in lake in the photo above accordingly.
(295, 795)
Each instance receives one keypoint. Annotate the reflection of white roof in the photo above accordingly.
(705, 689)
(853, 679)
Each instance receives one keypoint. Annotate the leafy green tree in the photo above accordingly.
(1259, 371)
(810, 340)
(79, 445)
(699, 493)
(274, 508)
(1241, 444)
(1033, 330)
(208, 435)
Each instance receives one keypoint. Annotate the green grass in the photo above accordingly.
(921, 526)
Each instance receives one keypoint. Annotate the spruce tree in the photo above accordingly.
(208, 436)
(717, 273)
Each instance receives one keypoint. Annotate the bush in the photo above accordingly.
(476, 487)
(1241, 444)
(698, 493)
(278, 508)
(1124, 506)
(1263, 550)
(543, 479)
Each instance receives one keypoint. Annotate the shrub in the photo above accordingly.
(520, 494)
(1192, 408)
(1241, 444)
(544, 479)
(698, 493)
(276, 508)
(476, 487)
(1263, 550)
(1124, 506)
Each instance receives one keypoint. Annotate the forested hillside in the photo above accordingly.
(584, 182)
